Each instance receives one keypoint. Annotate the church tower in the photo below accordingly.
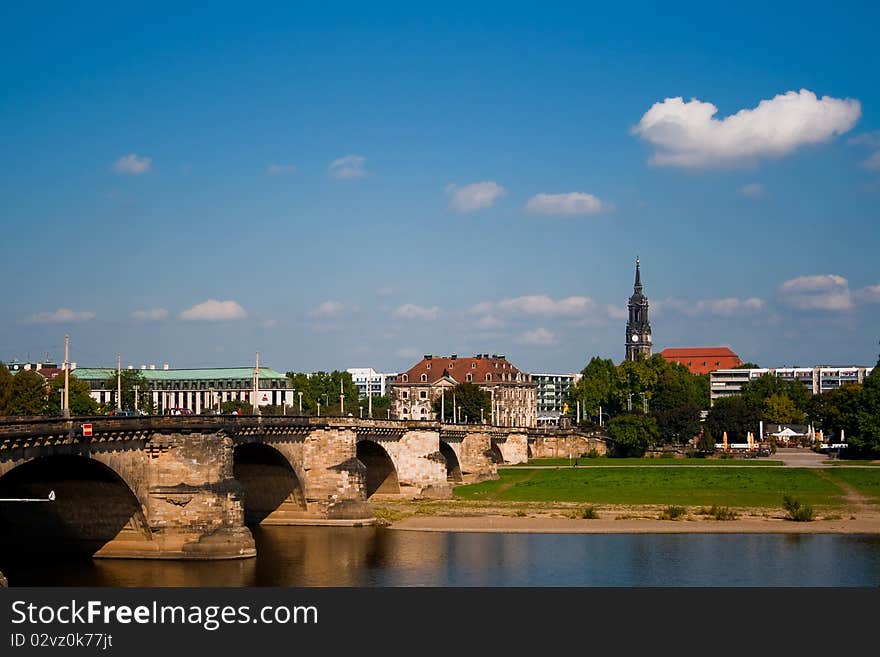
(638, 328)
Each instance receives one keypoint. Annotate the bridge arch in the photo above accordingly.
(495, 454)
(381, 472)
(273, 493)
(453, 465)
(93, 505)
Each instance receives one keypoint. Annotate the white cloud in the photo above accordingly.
(412, 311)
(132, 165)
(753, 190)
(617, 312)
(279, 169)
(213, 310)
(873, 162)
(348, 167)
(61, 316)
(489, 322)
(149, 315)
(870, 294)
(722, 307)
(408, 352)
(327, 309)
(687, 135)
(540, 337)
(544, 305)
(871, 140)
(476, 196)
(818, 292)
(566, 205)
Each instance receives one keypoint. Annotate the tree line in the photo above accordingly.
(650, 401)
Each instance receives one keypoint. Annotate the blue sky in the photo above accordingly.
(348, 185)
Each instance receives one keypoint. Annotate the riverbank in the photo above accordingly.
(463, 516)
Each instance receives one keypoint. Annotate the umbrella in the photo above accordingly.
(751, 439)
(842, 439)
(725, 440)
(788, 433)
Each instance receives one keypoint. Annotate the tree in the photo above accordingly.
(735, 416)
(80, 400)
(5, 389)
(470, 398)
(866, 440)
(676, 402)
(596, 388)
(632, 433)
(748, 366)
(837, 410)
(324, 388)
(757, 391)
(706, 443)
(381, 404)
(28, 393)
(780, 409)
(236, 405)
(130, 381)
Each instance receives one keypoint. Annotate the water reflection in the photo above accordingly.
(364, 556)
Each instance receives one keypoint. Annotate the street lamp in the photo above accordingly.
(300, 401)
(319, 408)
(459, 415)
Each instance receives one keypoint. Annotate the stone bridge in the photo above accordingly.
(187, 487)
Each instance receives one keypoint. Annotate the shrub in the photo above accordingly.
(673, 513)
(593, 453)
(797, 511)
(723, 513)
(590, 513)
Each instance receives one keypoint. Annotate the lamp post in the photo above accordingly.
(299, 392)
(459, 415)
(319, 408)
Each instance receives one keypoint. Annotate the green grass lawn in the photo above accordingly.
(872, 464)
(867, 482)
(613, 462)
(740, 487)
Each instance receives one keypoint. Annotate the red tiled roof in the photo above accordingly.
(702, 360)
(436, 367)
(50, 373)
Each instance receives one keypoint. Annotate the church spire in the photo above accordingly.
(638, 328)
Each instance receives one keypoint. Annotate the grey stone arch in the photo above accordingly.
(381, 475)
(453, 459)
(272, 482)
(96, 502)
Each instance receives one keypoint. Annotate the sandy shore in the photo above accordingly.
(549, 525)
(562, 517)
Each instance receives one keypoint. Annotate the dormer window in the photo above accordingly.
(405, 378)
(488, 377)
(469, 377)
(424, 377)
(473, 366)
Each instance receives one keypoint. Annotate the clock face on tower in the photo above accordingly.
(635, 337)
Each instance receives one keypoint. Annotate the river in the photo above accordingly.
(365, 556)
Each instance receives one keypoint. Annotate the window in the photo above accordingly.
(451, 365)
(405, 378)
(469, 377)
(488, 377)
(423, 394)
(424, 377)
(473, 366)
(404, 394)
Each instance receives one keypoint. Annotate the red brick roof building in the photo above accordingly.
(702, 360)
(513, 392)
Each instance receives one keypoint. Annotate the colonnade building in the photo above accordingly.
(195, 389)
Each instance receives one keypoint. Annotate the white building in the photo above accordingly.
(195, 389)
(370, 382)
(818, 379)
